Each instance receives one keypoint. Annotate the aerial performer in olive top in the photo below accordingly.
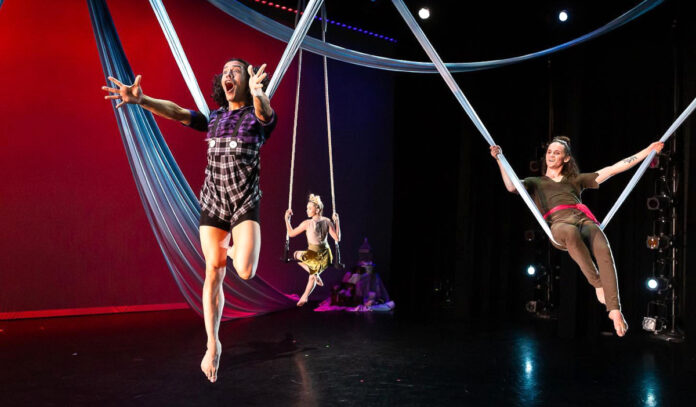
(557, 195)
(230, 194)
(318, 255)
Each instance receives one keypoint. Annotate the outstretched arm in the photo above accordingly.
(296, 231)
(133, 94)
(335, 228)
(262, 105)
(608, 172)
(495, 150)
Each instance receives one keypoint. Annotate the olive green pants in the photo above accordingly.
(580, 235)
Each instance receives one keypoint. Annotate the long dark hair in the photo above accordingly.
(570, 169)
(219, 93)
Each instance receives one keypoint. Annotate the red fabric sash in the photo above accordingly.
(581, 207)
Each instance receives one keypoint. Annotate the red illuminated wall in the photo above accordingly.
(73, 232)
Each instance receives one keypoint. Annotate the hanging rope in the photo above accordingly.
(328, 111)
(337, 257)
(286, 248)
(294, 127)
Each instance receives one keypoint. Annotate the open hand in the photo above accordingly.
(256, 80)
(127, 94)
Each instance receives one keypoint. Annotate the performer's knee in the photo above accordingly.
(245, 270)
(215, 273)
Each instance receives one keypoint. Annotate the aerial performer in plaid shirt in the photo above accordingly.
(230, 194)
(318, 255)
(557, 195)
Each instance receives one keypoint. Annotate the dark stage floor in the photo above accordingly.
(303, 358)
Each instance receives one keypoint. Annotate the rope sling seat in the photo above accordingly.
(286, 258)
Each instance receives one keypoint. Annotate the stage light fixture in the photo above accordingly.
(658, 284)
(655, 242)
(531, 270)
(424, 13)
(531, 306)
(653, 324)
(657, 202)
(563, 16)
(529, 235)
(655, 163)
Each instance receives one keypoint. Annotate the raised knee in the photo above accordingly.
(246, 271)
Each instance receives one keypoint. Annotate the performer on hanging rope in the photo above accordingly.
(557, 195)
(318, 255)
(230, 194)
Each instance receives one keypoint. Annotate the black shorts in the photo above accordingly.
(207, 220)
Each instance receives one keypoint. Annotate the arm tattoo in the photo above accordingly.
(630, 159)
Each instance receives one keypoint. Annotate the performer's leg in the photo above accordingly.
(607, 273)
(298, 256)
(605, 262)
(246, 238)
(311, 283)
(569, 236)
(229, 247)
(212, 242)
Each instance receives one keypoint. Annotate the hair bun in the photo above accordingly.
(564, 139)
(316, 200)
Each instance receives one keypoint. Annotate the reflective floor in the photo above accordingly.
(303, 358)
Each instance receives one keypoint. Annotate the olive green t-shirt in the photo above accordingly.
(548, 193)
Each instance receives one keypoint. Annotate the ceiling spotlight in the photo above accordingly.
(563, 16)
(424, 13)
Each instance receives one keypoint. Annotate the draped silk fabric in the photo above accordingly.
(280, 32)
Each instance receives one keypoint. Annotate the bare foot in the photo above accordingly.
(211, 362)
(302, 301)
(600, 295)
(320, 282)
(620, 324)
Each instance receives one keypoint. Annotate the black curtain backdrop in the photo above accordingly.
(456, 227)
